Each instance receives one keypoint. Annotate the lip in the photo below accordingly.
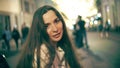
(57, 35)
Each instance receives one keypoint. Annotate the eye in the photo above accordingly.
(57, 20)
(46, 26)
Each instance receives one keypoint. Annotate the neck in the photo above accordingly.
(54, 44)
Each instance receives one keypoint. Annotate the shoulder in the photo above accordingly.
(43, 46)
(43, 50)
(44, 56)
(83, 21)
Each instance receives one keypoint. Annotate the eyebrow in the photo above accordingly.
(47, 23)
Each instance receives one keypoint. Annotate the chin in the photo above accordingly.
(57, 39)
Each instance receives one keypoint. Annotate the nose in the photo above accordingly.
(54, 27)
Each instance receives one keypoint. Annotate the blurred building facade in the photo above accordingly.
(45, 2)
(13, 13)
(111, 12)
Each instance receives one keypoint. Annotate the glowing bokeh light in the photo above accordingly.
(73, 8)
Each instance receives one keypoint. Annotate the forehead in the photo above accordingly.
(49, 16)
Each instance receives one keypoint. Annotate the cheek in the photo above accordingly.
(61, 26)
(48, 32)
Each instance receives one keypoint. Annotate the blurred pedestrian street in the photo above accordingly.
(103, 52)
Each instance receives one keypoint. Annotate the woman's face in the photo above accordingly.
(53, 26)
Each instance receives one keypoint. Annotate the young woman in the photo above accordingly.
(48, 44)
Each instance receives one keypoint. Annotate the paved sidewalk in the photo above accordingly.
(115, 36)
(88, 59)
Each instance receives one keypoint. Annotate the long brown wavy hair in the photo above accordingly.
(38, 35)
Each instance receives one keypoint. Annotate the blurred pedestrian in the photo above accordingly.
(16, 36)
(7, 37)
(107, 29)
(82, 35)
(24, 31)
(48, 44)
(78, 36)
(100, 28)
